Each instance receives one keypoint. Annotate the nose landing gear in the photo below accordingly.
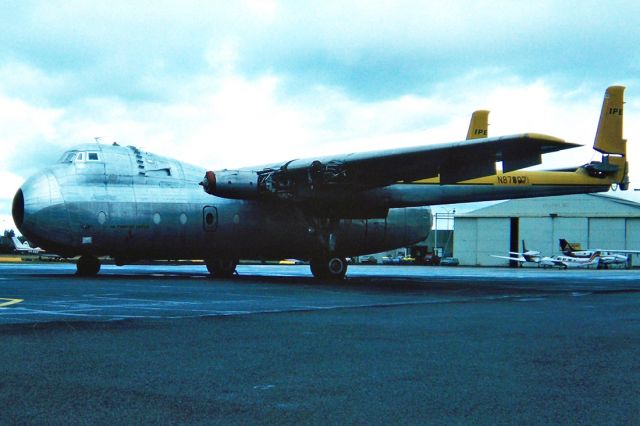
(87, 266)
(221, 268)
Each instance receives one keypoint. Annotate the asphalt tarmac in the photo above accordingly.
(401, 345)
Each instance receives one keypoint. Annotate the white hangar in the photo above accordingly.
(593, 221)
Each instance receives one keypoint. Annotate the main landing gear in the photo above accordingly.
(329, 268)
(221, 268)
(87, 266)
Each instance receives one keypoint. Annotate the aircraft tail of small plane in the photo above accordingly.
(19, 245)
(565, 246)
(479, 125)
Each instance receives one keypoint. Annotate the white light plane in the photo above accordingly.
(564, 262)
(21, 247)
(525, 256)
(607, 256)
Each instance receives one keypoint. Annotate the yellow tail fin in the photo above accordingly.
(609, 135)
(479, 125)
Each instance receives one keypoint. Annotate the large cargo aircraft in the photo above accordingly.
(100, 200)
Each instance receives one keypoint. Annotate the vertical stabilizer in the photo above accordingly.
(19, 245)
(479, 126)
(565, 246)
(609, 135)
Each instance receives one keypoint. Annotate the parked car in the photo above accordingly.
(431, 259)
(291, 262)
(398, 260)
(388, 260)
(449, 261)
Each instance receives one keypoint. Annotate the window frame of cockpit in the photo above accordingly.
(80, 157)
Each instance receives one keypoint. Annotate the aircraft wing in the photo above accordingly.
(453, 162)
(515, 259)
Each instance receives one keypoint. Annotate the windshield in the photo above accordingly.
(68, 157)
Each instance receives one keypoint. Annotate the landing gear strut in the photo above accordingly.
(87, 266)
(221, 268)
(329, 268)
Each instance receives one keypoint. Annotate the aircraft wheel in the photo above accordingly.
(317, 269)
(87, 266)
(334, 268)
(221, 268)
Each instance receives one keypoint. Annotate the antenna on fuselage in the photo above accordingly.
(97, 139)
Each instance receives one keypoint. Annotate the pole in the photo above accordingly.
(435, 238)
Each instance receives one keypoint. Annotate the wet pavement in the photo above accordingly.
(167, 344)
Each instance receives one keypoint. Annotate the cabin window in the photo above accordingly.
(80, 156)
(92, 156)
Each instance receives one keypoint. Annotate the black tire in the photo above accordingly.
(332, 268)
(87, 266)
(317, 268)
(221, 268)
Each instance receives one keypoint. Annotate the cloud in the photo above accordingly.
(231, 121)
(146, 51)
(27, 136)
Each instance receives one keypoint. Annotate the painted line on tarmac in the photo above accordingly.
(9, 302)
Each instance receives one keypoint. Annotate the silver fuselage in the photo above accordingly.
(135, 205)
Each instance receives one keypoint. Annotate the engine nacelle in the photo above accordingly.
(237, 184)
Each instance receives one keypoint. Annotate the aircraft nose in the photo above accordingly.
(17, 210)
(38, 209)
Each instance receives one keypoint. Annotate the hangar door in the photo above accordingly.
(607, 233)
(493, 236)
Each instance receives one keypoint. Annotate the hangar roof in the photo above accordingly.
(579, 205)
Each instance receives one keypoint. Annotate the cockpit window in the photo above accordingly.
(79, 156)
(68, 157)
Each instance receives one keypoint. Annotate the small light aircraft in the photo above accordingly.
(572, 262)
(524, 256)
(20, 247)
(112, 200)
(564, 262)
(607, 257)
